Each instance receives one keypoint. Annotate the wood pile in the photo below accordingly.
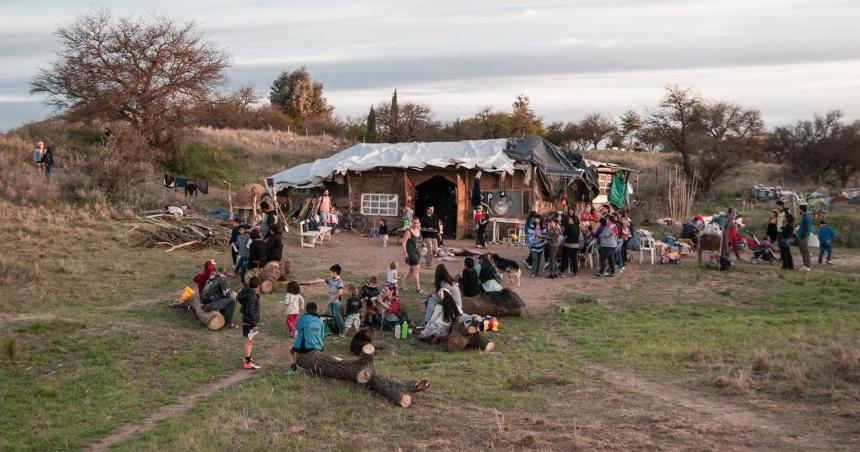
(184, 231)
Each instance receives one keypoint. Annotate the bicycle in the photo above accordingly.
(356, 222)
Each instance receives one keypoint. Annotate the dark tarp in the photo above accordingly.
(590, 176)
(553, 169)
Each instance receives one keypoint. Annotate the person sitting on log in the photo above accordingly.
(470, 282)
(275, 244)
(335, 292)
(217, 296)
(257, 256)
(353, 309)
(444, 314)
(201, 278)
(489, 277)
(369, 293)
(388, 306)
(249, 298)
(443, 280)
(293, 303)
(310, 336)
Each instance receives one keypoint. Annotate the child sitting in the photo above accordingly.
(293, 303)
(369, 293)
(388, 307)
(383, 233)
(392, 277)
(310, 336)
(353, 311)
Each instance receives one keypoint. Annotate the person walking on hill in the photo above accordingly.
(48, 163)
(430, 233)
(38, 153)
(803, 234)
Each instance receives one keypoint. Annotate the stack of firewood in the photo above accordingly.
(183, 232)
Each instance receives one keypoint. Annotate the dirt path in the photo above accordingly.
(18, 318)
(186, 403)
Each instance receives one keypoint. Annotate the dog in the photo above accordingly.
(508, 266)
(362, 336)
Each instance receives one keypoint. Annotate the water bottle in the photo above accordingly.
(404, 330)
(397, 331)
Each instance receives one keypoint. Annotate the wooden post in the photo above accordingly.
(254, 212)
(229, 197)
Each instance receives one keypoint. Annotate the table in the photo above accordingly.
(496, 221)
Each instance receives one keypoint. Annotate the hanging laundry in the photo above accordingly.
(169, 181)
(203, 186)
(191, 188)
(180, 182)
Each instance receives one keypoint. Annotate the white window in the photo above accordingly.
(379, 204)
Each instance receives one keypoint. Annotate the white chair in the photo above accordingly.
(647, 244)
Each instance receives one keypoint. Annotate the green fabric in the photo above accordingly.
(617, 191)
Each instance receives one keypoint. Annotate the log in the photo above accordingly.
(213, 320)
(250, 274)
(462, 337)
(359, 370)
(399, 392)
(267, 286)
(505, 303)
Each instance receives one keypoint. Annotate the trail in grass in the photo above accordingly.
(131, 430)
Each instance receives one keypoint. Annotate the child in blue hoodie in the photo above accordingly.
(825, 242)
(310, 331)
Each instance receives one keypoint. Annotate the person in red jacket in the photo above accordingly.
(201, 278)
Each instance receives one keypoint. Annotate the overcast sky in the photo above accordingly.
(788, 58)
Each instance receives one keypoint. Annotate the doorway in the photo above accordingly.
(442, 195)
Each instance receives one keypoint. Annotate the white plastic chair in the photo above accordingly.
(647, 244)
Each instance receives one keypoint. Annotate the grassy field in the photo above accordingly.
(89, 346)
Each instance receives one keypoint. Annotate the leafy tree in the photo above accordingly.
(413, 122)
(630, 124)
(524, 122)
(147, 73)
(300, 97)
(562, 134)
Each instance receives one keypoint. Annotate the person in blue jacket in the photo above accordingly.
(825, 242)
(803, 234)
(309, 337)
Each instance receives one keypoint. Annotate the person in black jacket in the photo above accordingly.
(257, 252)
(470, 283)
(249, 298)
(275, 244)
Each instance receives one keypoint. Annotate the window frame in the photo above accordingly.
(372, 204)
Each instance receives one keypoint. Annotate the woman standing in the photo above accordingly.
(607, 242)
(771, 226)
(537, 244)
(786, 241)
(412, 241)
(570, 247)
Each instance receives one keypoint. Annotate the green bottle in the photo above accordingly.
(404, 330)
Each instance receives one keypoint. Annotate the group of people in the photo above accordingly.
(568, 233)
(781, 229)
(43, 159)
(254, 247)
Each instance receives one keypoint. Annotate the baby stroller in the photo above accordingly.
(762, 250)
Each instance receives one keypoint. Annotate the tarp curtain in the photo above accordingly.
(618, 191)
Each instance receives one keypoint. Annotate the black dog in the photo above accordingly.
(362, 336)
(512, 268)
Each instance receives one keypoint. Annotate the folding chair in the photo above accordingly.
(589, 254)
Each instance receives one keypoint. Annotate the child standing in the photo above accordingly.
(294, 303)
(825, 242)
(310, 336)
(335, 292)
(383, 233)
(249, 298)
(353, 308)
(392, 277)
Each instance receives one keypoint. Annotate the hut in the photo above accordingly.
(379, 180)
(248, 201)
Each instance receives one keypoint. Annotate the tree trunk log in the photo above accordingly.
(505, 303)
(462, 337)
(267, 286)
(213, 320)
(358, 370)
(399, 392)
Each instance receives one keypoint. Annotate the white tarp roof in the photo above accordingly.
(486, 155)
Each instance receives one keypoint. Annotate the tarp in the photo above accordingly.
(486, 155)
(617, 191)
(554, 170)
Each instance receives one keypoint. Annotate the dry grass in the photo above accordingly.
(258, 142)
(739, 381)
(697, 354)
(761, 363)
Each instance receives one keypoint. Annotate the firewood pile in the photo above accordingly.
(183, 232)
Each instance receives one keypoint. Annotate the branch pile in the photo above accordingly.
(362, 372)
(184, 231)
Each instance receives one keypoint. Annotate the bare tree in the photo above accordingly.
(595, 128)
(414, 122)
(148, 73)
(630, 124)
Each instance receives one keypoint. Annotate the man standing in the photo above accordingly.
(780, 219)
(325, 209)
(803, 234)
(430, 232)
(269, 218)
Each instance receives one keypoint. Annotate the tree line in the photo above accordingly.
(159, 76)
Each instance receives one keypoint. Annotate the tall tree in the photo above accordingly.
(300, 97)
(524, 122)
(596, 128)
(393, 118)
(147, 73)
(415, 122)
(629, 126)
(371, 125)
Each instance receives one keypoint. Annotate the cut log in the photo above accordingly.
(462, 337)
(267, 286)
(358, 370)
(275, 271)
(250, 274)
(505, 303)
(213, 320)
(399, 392)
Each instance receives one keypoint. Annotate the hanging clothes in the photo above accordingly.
(191, 188)
(203, 186)
(618, 191)
(169, 181)
(476, 192)
(180, 182)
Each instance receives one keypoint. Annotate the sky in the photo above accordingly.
(788, 58)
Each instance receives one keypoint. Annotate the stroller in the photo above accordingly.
(762, 249)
